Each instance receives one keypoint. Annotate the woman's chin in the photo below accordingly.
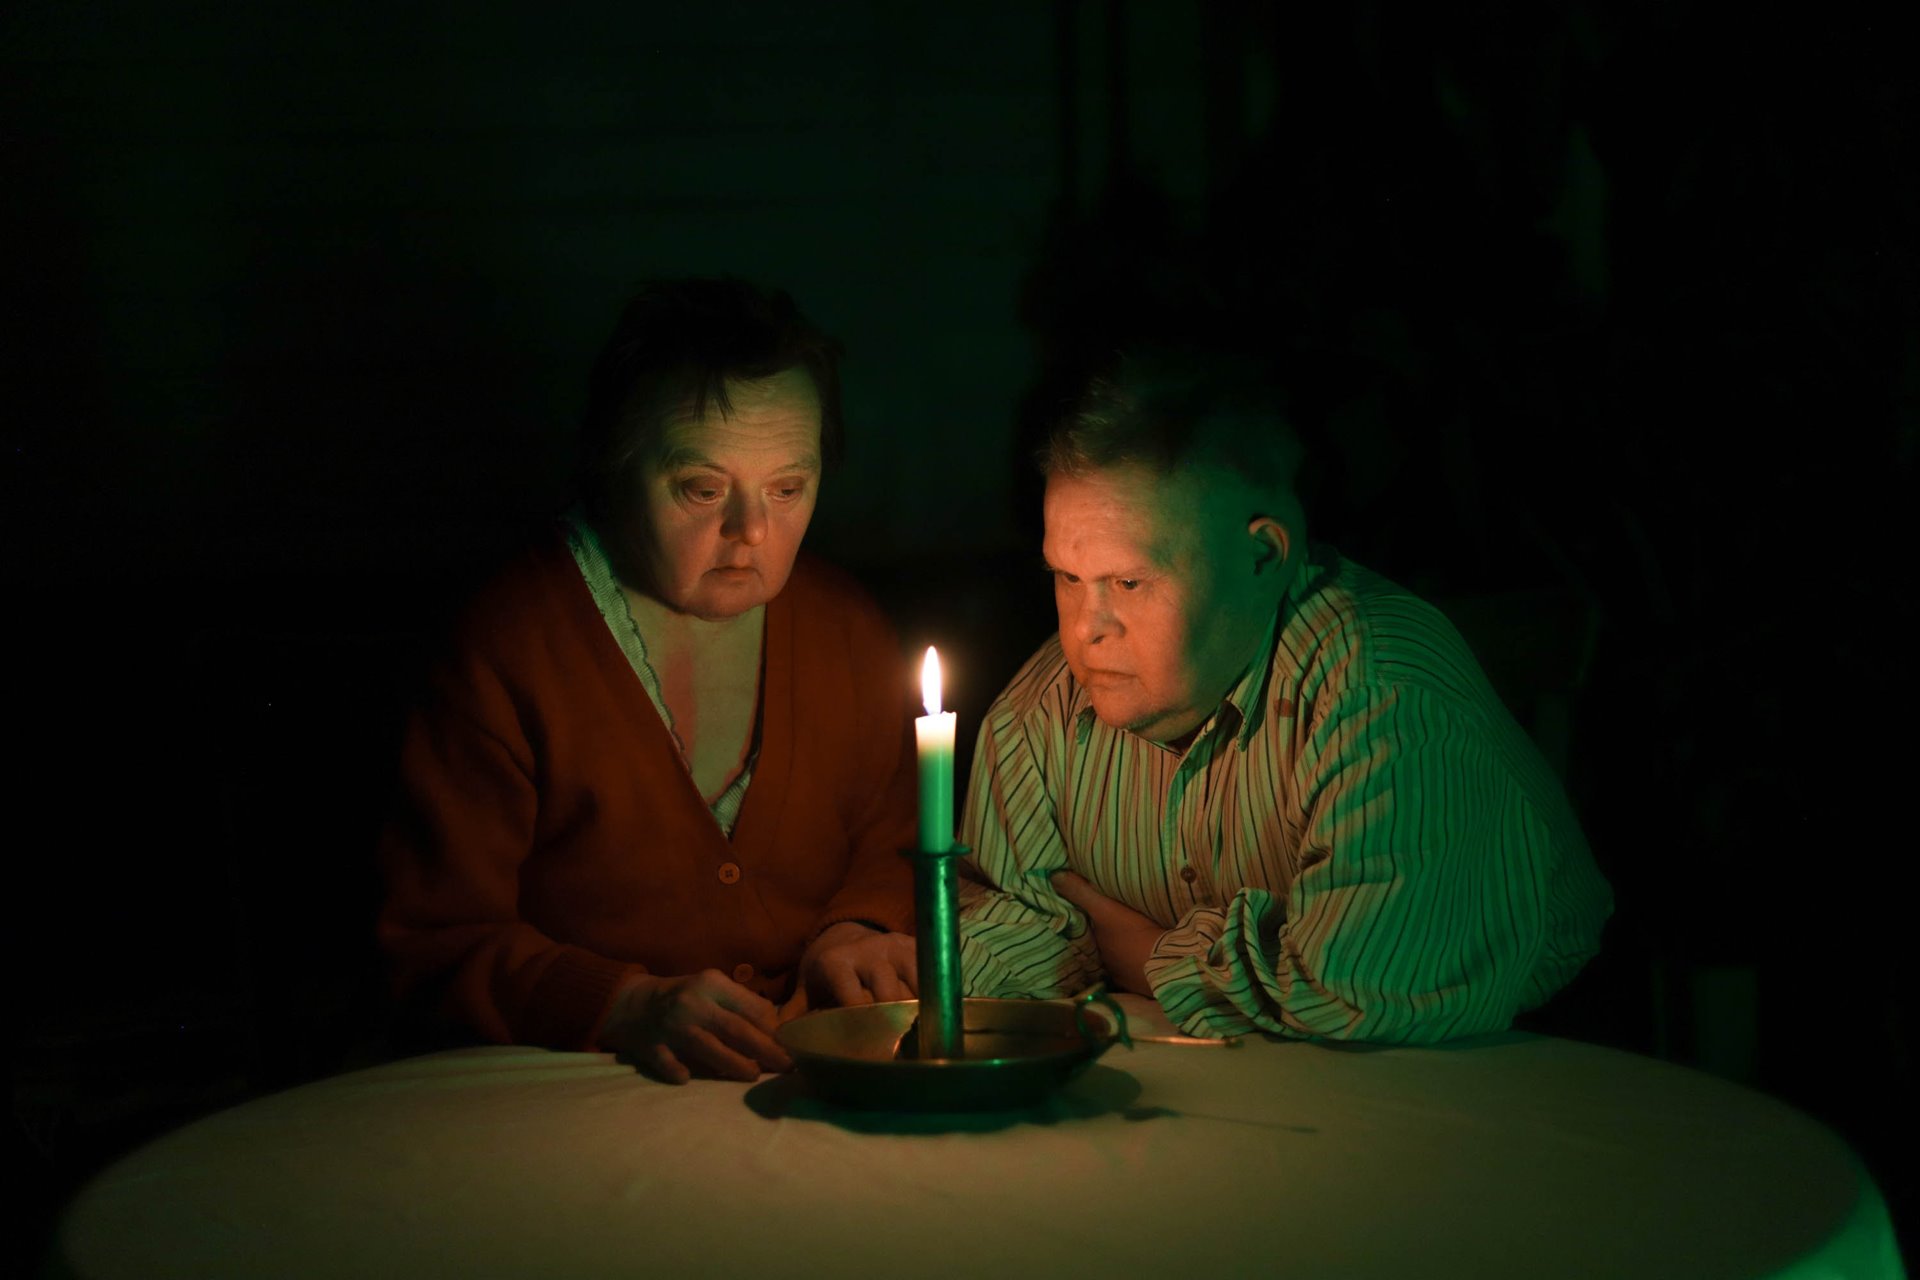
(727, 593)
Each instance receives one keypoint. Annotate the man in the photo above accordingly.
(1249, 777)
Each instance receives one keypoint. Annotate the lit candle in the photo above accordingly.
(934, 732)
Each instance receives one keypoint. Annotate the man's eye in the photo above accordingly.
(1066, 577)
(788, 492)
(1127, 584)
(700, 491)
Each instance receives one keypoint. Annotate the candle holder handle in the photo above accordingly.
(936, 923)
(1098, 994)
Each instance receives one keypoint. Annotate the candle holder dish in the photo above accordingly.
(1013, 1052)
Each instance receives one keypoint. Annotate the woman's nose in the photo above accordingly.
(746, 520)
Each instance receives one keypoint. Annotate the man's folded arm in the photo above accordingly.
(1018, 937)
(1419, 913)
(1015, 947)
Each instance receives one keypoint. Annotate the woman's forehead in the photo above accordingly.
(777, 415)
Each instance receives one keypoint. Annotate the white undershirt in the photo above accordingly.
(597, 568)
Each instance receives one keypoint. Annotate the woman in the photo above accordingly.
(660, 783)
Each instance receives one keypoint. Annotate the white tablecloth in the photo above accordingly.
(1508, 1156)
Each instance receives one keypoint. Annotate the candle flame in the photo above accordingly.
(930, 682)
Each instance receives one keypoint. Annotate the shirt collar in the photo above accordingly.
(1247, 698)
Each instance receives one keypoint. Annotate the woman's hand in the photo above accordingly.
(703, 1024)
(851, 964)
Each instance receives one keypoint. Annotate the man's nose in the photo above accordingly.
(1092, 621)
(746, 519)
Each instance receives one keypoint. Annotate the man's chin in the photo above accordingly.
(1142, 722)
(1121, 713)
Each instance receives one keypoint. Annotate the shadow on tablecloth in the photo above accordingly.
(1097, 1091)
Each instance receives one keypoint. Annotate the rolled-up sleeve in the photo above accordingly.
(1018, 938)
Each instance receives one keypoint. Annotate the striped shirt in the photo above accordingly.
(1360, 843)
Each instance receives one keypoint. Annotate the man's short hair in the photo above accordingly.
(677, 345)
(1164, 409)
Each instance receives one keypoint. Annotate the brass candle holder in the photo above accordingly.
(943, 1051)
(936, 913)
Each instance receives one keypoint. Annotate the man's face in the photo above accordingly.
(1156, 593)
(725, 500)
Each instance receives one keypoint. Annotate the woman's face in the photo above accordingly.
(725, 499)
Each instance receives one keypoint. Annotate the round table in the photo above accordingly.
(1509, 1155)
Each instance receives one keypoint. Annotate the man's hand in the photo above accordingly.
(702, 1024)
(851, 964)
(1125, 937)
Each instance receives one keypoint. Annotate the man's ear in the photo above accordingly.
(1275, 544)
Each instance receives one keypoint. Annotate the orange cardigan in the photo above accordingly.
(549, 840)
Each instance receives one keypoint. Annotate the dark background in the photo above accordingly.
(1604, 321)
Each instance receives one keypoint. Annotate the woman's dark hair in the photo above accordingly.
(677, 345)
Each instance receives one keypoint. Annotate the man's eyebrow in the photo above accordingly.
(1048, 566)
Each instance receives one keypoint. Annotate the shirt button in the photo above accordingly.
(743, 973)
(729, 872)
(1189, 874)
